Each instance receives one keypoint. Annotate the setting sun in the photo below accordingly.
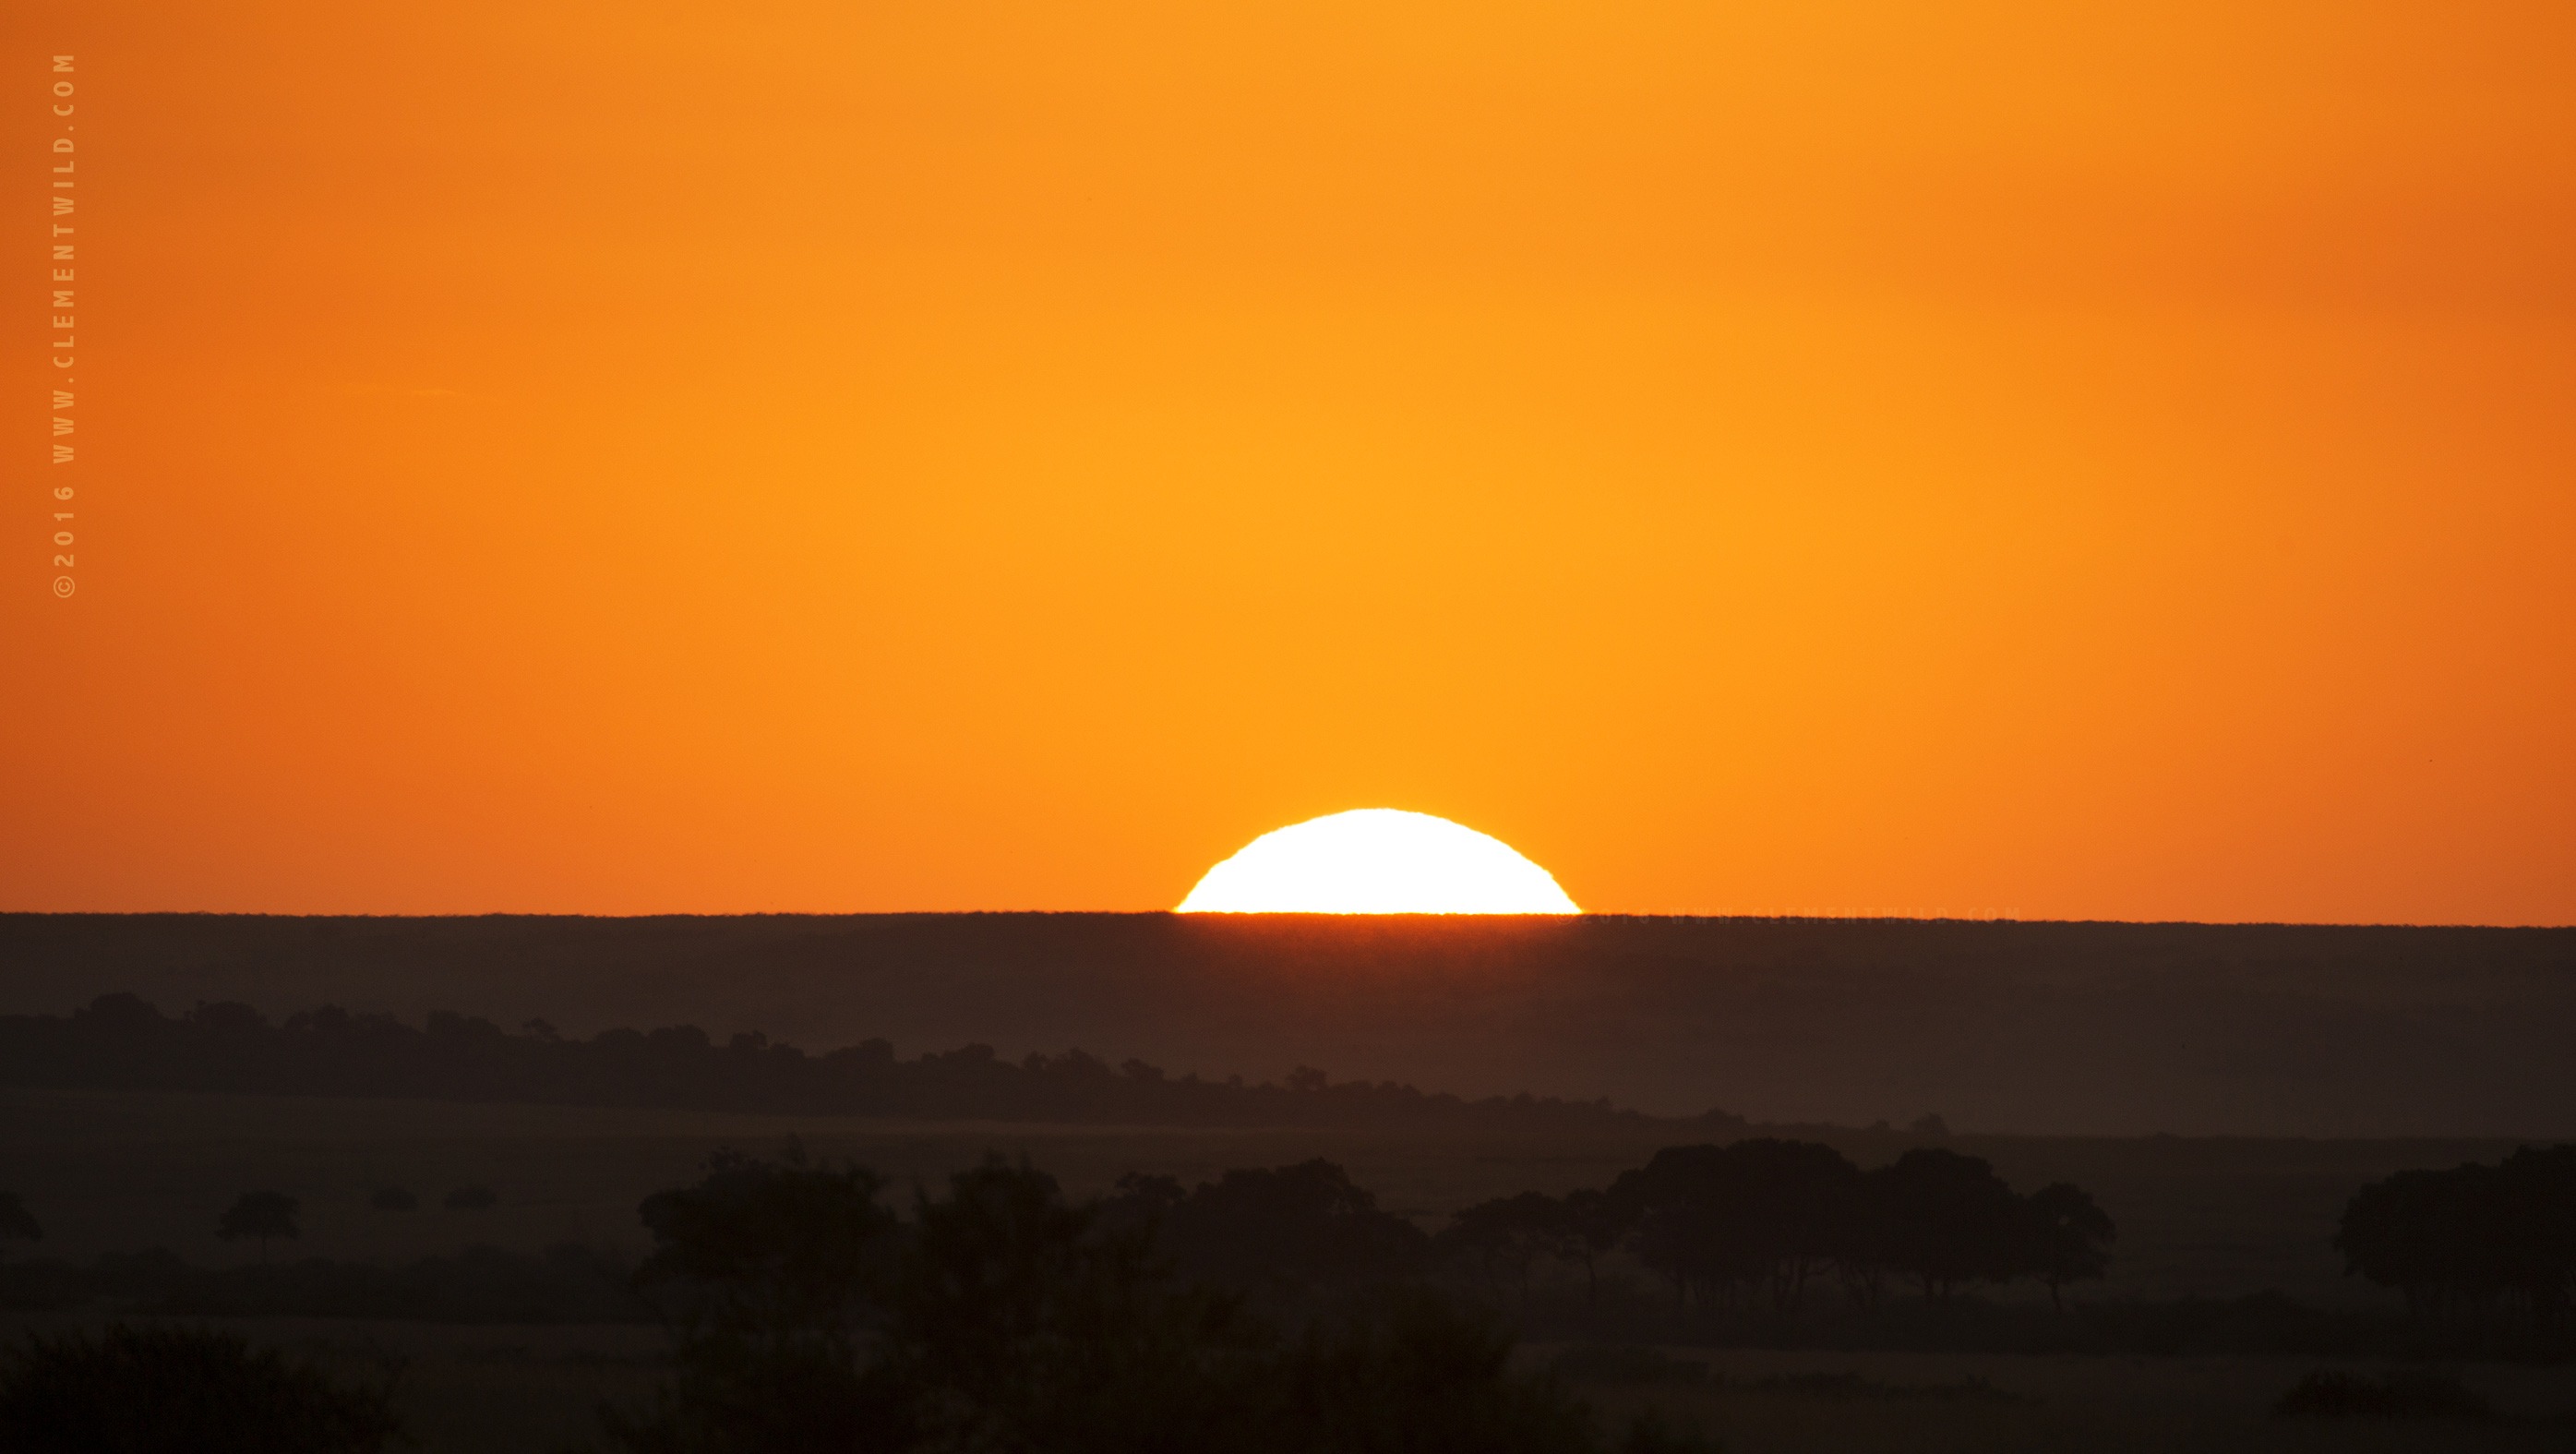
(1377, 861)
(621, 624)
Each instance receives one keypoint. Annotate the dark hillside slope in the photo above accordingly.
(2063, 1028)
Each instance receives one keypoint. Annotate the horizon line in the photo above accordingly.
(1855, 917)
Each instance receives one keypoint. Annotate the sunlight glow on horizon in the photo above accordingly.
(1377, 861)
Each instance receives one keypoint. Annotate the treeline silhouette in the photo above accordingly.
(1745, 1243)
(2066, 1028)
(1003, 1315)
(121, 1042)
(1746, 1226)
(2476, 1246)
(1753, 1224)
(1275, 1308)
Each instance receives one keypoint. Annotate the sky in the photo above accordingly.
(2045, 461)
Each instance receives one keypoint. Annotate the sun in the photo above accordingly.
(1377, 861)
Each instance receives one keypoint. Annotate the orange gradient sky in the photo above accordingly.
(2074, 460)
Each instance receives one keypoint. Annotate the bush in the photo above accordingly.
(2398, 1394)
(182, 1388)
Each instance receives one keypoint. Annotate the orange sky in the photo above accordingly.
(2074, 461)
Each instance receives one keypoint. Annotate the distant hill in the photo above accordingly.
(121, 1042)
(2049, 1028)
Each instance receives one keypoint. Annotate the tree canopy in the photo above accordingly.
(260, 1215)
(2474, 1243)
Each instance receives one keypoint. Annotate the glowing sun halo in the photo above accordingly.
(1377, 861)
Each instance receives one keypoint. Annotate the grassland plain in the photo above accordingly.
(115, 1171)
(121, 1171)
(514, 1390)
(1760, 1402)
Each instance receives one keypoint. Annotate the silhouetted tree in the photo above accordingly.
(2458, 1242)
(152, 1389)
(2070, 1237)
(2534, 1230)
(783, 1249)
(1027, 1323)
(260, 1215)
(1674, 1206)
(1759, 1216)
(1793, 1197)
(1865, 1236)
(765, 1271)
(1589, 1230)
(1289, 1229)
(1020, 1321)
(1505, 1236)
(1951, 1221)
(2392, 1233)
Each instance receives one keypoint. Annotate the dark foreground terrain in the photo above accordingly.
(536, 1390)
(2082, 1029)
(2224, 1291)
(431, 1146)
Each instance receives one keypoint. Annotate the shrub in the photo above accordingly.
(182, 1388)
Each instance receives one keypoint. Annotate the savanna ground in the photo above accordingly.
(535, 1390)
(118, 1172)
